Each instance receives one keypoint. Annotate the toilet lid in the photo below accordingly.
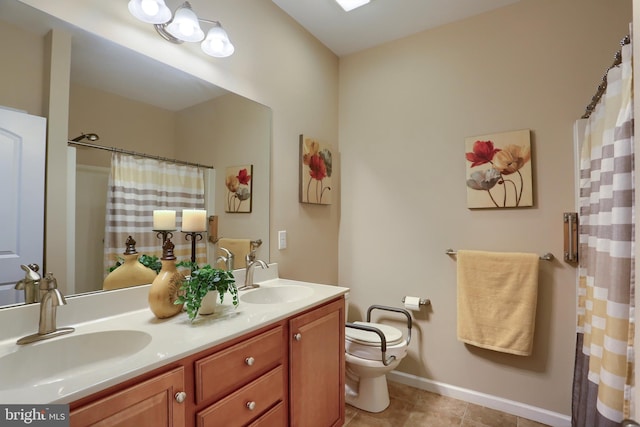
(391, 334)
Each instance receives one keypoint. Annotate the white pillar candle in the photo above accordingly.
(194, 220)
(164, 220)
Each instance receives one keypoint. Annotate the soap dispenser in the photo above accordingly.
(131, 272)
(165, 287)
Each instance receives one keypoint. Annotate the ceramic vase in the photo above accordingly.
(131, 272)
(164, 289)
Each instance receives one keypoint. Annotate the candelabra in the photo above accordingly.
(166, 234)
(193, 236)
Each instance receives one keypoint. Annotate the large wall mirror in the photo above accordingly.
(138, 104)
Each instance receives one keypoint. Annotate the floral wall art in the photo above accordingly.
(499, 170)
(315, 171)
(239, 189)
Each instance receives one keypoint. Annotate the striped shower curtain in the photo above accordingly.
(137, 187)
(603, 375)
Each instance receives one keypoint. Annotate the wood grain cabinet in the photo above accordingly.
(243, 381)
(316, 384)
(154, 402)
(290, 373)
(247, 404)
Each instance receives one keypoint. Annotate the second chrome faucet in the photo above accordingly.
(30, 284)
(248, 276)
(50, 299)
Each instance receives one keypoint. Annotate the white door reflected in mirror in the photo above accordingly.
(22, 156)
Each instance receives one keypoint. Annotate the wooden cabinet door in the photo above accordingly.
(149, 403)
(316, 392)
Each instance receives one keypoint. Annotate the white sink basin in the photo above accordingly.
(276, 295)
(50, 361)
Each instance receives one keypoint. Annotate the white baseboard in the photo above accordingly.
(505, 405)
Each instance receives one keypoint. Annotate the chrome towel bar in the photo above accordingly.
(546, 257)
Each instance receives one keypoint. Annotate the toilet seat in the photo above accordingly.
(366, 344)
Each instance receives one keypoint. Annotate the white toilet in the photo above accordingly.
(372, 350)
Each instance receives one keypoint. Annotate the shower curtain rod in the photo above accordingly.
(603, 86)
(133, 153)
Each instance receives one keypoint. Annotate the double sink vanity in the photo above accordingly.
(275, 360)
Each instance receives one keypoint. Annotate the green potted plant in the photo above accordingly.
(202, 281)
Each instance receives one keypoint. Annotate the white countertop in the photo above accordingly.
(170, 339)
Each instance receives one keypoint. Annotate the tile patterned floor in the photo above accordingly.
(411, 407)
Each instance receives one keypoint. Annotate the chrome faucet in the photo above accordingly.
(50, 299)
(228, 260)
(248, 275)
(30, 284)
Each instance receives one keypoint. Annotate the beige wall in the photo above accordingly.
(120, 123)
(405, 109)
(22, 72)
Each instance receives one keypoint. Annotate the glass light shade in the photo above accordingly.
(185, 25)
(150, 11)
(217, 43)
(348, 5)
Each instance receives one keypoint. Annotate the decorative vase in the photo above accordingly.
(131, 272)
(165, 287)
(209, 303)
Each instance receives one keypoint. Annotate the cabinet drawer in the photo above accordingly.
(226, 370)
(234, 410)
(276, 417)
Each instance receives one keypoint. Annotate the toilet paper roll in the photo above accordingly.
(412, 303)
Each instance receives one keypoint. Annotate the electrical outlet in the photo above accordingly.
(282, 239)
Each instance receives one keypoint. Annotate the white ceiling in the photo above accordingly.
(380, 21)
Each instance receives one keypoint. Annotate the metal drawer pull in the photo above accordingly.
(297, 336)
(251, 405)
(181, 396)
(249, 361)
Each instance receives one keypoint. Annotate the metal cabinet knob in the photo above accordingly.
(297, 336)
(181, 396)
(251, 405)
(249, 361)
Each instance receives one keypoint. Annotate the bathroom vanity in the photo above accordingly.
(276, 360)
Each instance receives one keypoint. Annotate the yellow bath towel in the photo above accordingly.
(497, 296)
(238, 247)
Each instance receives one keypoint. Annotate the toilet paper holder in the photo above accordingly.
(423, 301)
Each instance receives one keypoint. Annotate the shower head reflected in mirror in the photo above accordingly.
(89, 136)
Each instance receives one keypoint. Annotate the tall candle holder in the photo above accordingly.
(193, 236)
(166, 234)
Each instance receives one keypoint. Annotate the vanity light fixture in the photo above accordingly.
(348, 5)
(183, 26)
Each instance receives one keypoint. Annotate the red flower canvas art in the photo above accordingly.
(315, 172)
(499, 170)
(239, 186)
